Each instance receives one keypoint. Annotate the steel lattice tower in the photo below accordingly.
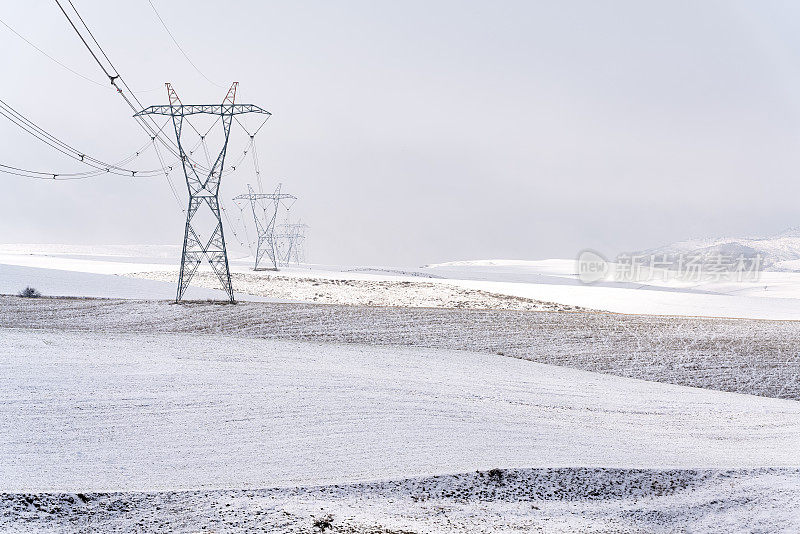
(266, 229)
(203, 189)
(291, 236)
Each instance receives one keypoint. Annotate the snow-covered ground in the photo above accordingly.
(780, 251)
(738, 355)
(76, 283)
(104, 412)
(569, 500)
(486, 283)
(326, 289)
(774, 295)
(386, 415)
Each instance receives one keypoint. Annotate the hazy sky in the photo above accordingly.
(427, 131)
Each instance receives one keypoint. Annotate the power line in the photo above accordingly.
(166, 175)
(51, 58)
(101, 167)
(44, 136)
(181, 48)
(147, 123)
(84, 41)
(169, 144)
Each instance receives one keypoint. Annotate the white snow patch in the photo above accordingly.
(72, 283)
(776, 295)
(82, 411)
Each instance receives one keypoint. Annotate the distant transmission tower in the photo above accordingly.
(290, 238)
(205, 189)
(265, 224)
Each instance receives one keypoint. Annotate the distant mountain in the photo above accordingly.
(780, 252)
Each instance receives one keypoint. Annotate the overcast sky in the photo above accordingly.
(427, 131)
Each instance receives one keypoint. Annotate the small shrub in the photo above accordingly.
(495, 475)
(323, 523)
(29, 293)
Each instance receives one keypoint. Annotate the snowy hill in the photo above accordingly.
(184, 411)
(147, 272)
(779, 252)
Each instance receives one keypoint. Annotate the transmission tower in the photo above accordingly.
(203, 190)
(290, 239)
(265, 224)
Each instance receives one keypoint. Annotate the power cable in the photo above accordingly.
(164, 24)
(46, 137)
(147, 122)
(170, 145)
(51, 58)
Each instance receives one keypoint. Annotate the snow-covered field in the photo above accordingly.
(364, 292)
(774, 295)
(133, 412)
(745, 356)
(569, 500)
(394, 407)
(72, 283)
(103, 412)
(488, 284)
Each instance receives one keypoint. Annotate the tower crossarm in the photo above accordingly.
(197, 109)
(289, 236)
(269, 196)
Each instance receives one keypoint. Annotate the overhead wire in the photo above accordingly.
(231, 224)
(146, 122)
(169, 144)
(169, 180)
(100, 166)
(54, 142)
(51, 58)
(114, 75)
(192, 63)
